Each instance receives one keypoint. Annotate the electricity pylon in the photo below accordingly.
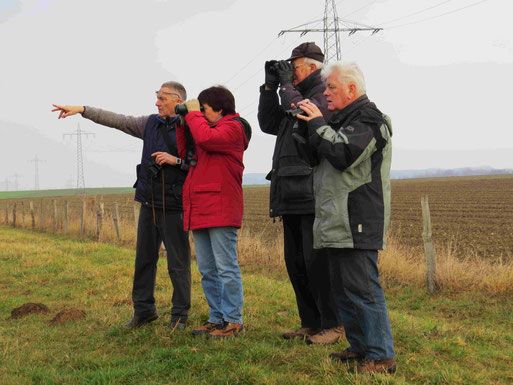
(16, 177)
(80, 160)
(36, 173)
(331, 31)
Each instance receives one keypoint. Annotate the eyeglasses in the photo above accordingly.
(159, 93)
(299, 65)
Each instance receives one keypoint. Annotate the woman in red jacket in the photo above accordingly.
(213, 204)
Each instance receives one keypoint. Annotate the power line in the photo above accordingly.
(437, 16)
(417, 12)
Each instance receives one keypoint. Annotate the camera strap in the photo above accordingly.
(173, 149)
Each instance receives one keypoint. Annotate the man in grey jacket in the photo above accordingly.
(160, 178)
(352, 211)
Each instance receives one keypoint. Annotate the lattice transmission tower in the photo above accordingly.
(331, 29)
(80, 160)
(36, 162)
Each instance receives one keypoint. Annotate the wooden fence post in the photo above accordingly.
(115, 217)
(82, 218)
(14, 215)
(66, 216)
(23, 214)
(137, 210)
(32, 215)
(428, 245)
(41, 219)
(7, 213)
(99, 221)
(55, 224)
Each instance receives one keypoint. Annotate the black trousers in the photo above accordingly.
(308, 274)
(168, 229)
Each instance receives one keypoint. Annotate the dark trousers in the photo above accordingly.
(149, 239)
(360, 301)
(308, 274)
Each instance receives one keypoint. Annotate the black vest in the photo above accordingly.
(164, 187)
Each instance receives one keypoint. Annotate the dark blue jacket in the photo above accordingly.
(165, 188)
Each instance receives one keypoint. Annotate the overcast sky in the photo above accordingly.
(442, 70)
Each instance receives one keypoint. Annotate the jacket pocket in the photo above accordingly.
(296, 183)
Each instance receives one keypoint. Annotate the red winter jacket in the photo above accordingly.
(212, 193)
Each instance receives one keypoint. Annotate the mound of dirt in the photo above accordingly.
(28, 308)
(67, 315)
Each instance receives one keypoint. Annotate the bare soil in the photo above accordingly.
(28, 308)
(67, 315)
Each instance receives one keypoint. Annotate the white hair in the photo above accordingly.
(317, 63)
(348, 72)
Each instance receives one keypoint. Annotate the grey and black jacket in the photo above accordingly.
(292, 167)
(352, 180)
(164, 189)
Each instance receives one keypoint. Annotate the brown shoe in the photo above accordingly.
(300, 333)
(346, 355)
(230, 330)
(206, 328)
(327, 336)
(375, 366)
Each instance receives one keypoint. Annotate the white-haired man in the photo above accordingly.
(352, 211)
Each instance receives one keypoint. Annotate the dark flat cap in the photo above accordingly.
(310, 50)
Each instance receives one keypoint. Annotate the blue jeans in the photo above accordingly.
(359, 298)
(216, 256)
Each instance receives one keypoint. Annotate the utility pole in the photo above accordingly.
(80, 160)
(36, 173)
(16, 176)
(331, 29)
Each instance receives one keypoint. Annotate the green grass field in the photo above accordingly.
(64, 192)
(448, 338)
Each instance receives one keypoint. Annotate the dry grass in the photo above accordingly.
(403, 265)
(400, 264)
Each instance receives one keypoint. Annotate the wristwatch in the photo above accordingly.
(179, 161)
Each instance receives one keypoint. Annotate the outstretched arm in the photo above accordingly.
(131, 125)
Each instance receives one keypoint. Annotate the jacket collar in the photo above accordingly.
(169, 120)
(308, 82)
(348, 110)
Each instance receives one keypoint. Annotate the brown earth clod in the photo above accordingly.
(67, 315)
(28, 308)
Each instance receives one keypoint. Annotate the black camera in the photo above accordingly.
(154, 169)
(293, 113)
(181, 109)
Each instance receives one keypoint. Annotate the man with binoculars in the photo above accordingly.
(291, 196)
(160, 178)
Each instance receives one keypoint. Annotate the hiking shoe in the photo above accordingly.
(346, 355)
(300, 333)
(137, 321)
(206, 328)
(327, 336)
(375, 366)
(177, 324)
(230, 330)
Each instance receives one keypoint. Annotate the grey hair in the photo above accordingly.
(348, 72)
(317, 63)
(178, 87)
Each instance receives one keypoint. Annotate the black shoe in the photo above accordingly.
(178, 324)
(137, 322)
